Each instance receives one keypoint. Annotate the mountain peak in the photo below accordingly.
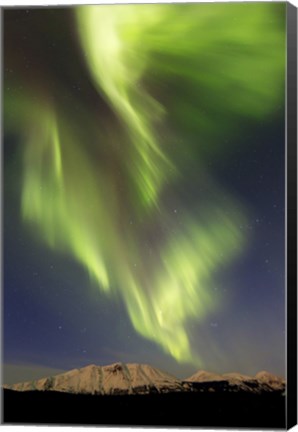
(204, 376)
(265, 374)
(269, 378)
(262, 381)
(134, 378)
(116, 378)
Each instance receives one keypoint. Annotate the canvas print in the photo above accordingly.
(144, 214)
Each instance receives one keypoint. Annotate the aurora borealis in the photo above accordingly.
(130, 133)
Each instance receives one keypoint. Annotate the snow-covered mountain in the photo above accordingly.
(271, 380)
(133, 378)
(261, 382)
(117, 378)
(204, 376)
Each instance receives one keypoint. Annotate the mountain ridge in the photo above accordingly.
(135, 378)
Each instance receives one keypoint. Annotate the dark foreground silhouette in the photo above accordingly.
(239, 409)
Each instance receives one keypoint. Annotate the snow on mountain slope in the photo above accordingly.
(133, 378)
(117, 378)
(273, 381)
(262, 381)
(204, 376)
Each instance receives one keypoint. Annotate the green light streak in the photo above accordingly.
(116, 70)
(75, 205)
(224, 62)
(63, 197)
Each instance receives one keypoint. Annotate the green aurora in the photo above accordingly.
(177, 78)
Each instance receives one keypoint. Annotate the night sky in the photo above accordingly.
(143, 218)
